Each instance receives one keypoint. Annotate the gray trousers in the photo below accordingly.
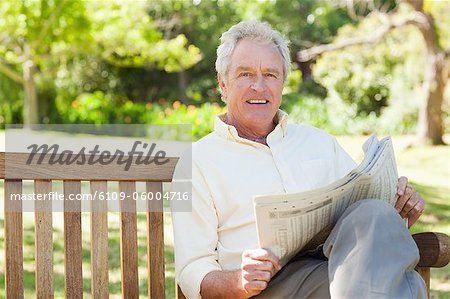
(369, 254)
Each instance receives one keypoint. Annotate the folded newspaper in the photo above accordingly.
(291, 222)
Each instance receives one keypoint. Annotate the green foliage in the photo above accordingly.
(65, 26)
(440, 10)
(38, 33)
(369, 78)
(293, 81)
(336, 117)
(63, 35)
(98, 108)
(202, 22)
(114, 59)
(305, 109)
(381, 80)
(127, 36)
(305, 22)
(10, 102)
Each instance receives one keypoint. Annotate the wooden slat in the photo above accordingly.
(155, 246)
(128, 242)
(17, 168)
(425, 273)
(43, 241)
(13, 241)
(2, 165)
(72, 241)
(99, 240)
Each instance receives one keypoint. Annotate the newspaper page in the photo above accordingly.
(290, 222)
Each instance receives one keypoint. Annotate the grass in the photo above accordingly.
(428, 169)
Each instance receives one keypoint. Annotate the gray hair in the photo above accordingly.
(254, 30)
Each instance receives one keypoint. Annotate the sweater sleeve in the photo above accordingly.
(195, 232)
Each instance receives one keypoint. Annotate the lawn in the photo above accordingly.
(428, 169)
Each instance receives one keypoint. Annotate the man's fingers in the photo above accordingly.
(410, 204)
(258, 266)
(252, 265)
(255, 286)
(262, 255)
(402, 200)
(401, 185)
(257, 275)
(415, 212)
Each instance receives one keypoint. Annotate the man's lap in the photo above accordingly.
(305, 276)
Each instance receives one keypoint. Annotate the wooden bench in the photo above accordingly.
(434, 247)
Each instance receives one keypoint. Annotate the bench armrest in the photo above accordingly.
(434, 249)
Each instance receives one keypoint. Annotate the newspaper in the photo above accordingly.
(290, 222)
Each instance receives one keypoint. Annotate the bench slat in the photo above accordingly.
(425, 273)
(128, 242)
(99, 241)
(72, 241)
(17, 168)
(43, 241)
(155, 246)
(13, 241)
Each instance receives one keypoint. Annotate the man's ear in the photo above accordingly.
(222, 86)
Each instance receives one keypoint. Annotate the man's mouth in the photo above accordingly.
(258, 102)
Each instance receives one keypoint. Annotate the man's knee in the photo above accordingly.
(370, 210)
(371, 218)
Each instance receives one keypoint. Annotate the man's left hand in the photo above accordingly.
(410, 204)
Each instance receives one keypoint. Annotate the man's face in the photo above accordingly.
(254, 84)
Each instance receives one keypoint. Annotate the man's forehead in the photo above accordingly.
(248, 67)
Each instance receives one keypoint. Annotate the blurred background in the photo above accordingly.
(358, 67)
(153, 62)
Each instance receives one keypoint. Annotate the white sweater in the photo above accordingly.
(227, 171)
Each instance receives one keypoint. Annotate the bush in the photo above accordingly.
(330, 114)
(306, 109)
(336, 117)
(98, 108)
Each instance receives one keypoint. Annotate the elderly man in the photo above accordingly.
(254, 150)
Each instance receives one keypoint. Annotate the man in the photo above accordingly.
(253, 150)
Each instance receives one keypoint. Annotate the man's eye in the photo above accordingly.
(270, 75)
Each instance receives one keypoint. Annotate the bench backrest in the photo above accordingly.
(72, 176)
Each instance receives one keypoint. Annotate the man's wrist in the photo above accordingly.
(223, 284)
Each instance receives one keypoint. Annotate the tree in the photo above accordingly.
(305, 23)
(39, 36)
(436, 74)
(202, 22)
(31, 33)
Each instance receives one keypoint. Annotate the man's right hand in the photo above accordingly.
(257, 269)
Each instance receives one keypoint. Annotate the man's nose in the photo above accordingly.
(258, 84)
